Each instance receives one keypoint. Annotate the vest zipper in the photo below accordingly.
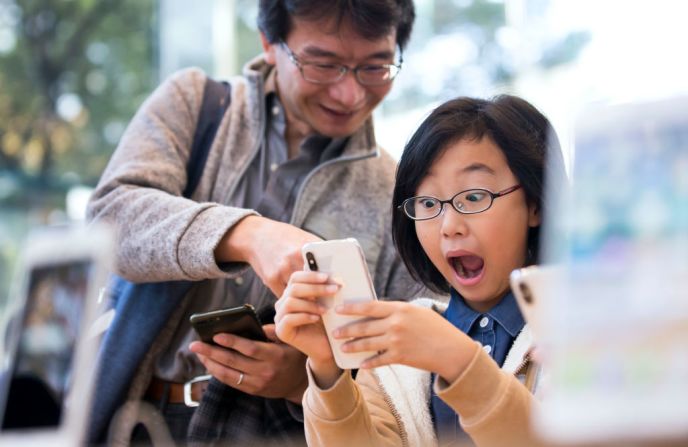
(299, 195)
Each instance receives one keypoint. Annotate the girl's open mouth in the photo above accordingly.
(469, 269)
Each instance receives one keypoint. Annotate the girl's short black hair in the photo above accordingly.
(524, 135)
(371, 19)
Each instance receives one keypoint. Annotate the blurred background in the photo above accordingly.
(73, 72)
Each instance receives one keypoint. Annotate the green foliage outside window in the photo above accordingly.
(72, 74)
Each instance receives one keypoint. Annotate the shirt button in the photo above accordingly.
(238, 280)
(487, 348)
(484, 321)
(275, 110)
(273, 167)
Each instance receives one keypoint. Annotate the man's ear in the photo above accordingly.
(268, 49)
(534, 216)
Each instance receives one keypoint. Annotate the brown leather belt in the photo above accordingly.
(189, 393)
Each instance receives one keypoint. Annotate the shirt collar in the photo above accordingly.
(459, 314)
(317, 147)
(270, 83)
(506, 313)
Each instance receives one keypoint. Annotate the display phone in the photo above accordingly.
(48, 368)
(242, 321)
(344, 261)
(530, 286)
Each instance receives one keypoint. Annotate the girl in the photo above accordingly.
(468, 205)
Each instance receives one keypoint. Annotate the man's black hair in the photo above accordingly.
(372, 19)
(524, 135)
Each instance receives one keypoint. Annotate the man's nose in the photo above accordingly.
(348, 91)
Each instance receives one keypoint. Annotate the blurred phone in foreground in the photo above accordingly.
(617, 323)
(343, 259)
(532, 286)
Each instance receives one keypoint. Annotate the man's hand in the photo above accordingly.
(273, 370)
(272, 248)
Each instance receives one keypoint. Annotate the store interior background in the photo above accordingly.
(73, 72)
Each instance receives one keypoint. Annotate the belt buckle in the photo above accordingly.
(188, 398)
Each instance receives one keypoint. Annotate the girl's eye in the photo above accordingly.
(428, 203)
(475, 196)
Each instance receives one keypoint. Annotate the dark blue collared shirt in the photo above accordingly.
(496, 331)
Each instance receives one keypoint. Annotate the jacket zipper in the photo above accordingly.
(524, 362)
(530, 374)
(299, 195)
(395, 413)
(255, 149)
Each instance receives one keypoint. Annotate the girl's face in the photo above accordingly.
(476, 253)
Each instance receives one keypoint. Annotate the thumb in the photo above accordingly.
(270, 332)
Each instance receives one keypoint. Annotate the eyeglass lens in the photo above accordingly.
(472, 201)
(366, 74)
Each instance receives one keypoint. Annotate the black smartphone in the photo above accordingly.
(242, 321)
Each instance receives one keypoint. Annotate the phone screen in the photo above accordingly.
(51, 323)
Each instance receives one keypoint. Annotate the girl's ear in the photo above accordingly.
(268, 49)
(534, 216)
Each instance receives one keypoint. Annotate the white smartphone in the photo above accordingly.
(343, 259)
(531, 286)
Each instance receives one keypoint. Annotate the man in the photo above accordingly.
(294, 160)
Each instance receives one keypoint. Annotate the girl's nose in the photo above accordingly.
(453, 222)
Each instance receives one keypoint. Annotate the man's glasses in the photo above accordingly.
(326, 73)
(470, 201)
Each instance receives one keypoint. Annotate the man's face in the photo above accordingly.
(338, 109)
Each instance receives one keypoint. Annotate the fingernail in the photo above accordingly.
(332, 287)
(322, 276)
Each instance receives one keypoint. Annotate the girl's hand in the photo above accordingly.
(298, 317)
(406, 334)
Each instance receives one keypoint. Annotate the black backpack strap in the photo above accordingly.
(216, 99)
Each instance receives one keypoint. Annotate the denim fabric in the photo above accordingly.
(496, 331)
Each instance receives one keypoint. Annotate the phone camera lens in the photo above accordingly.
(527, 296)
(311, 261)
